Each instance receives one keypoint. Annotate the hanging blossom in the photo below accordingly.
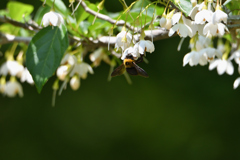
(67, 64)
(53, 19)
(140, 48)
(11, 67)
(98, 55)
(166, 20)
(180, 26)
(13, 87)
(124, 39)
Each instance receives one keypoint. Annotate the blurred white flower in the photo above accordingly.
(75, 82)
(69, 59)
(98, 55)
(236, 83)
(63, 71)
(53, 19)
(26, 76)
(13, 88)
(11, 67)
(81, 69)
(222, 66)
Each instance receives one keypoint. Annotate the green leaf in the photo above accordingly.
(17, 10)
(45, 52)
(185, 6)
(58, 5)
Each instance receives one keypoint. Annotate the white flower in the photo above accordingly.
(236, 57)
(123, 40)
(236, 83)
(81, 69)
(203, 16)
(219, 16)
(75, 82)
(182, 30)
(222, 66)
(69, 59)
(13, 88)
(163, 21)
(63, 71)
(144, 46)
(98, 55)
(11, 67)
(195, 10)
(211, 29)
(192, 58)
(26, 76)
(52, 18)
(131, 51)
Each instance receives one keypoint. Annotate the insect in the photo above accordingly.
(130, 65)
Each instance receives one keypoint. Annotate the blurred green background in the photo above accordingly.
(179, 112)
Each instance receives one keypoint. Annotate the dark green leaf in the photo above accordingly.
(45, 52)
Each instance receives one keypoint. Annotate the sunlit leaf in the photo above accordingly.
(18, 9)
(45, 52)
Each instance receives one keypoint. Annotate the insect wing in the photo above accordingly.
(118, 71)
(132, 71)
(140, 71)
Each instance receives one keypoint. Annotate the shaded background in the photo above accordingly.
(177, 113)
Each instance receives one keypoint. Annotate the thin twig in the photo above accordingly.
(27, 26)
(106, 18)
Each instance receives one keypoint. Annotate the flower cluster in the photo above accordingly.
(72, 69)
(128, 45)
(9, 72)
(207, 21)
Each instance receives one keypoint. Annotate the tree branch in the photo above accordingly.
(7, 38)
(27, 26)
(106, 18)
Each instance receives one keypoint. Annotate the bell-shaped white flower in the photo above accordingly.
(131, 51)
(192, 58)
(53, 19)
(11, 67)
(63, 71)
(236, 83)
(144, 46)
(75, 82)
(203, 16)
(222, 66)
(219, 16)
(26, 76)
(182, 29)
(69, 59)
(123, 40)
(13, 88)
(98, 55)
(81, 69)
(166, 20)
(211, 29)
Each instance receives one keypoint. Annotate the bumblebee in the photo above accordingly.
(130, 65)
